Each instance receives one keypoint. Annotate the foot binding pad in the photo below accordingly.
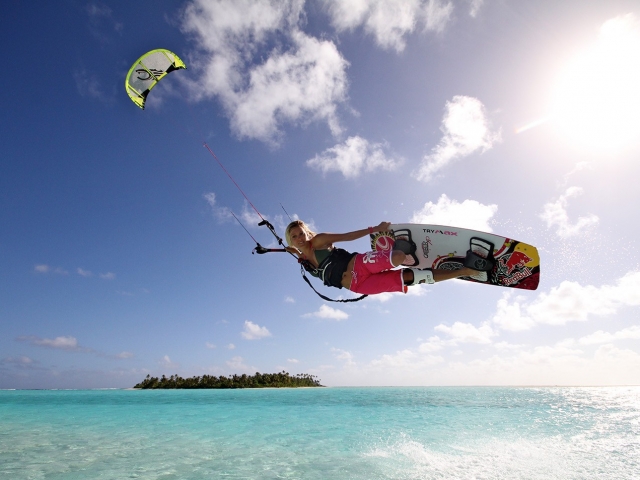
(480, 255)
(405, 246)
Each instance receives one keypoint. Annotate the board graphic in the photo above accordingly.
(516, 264)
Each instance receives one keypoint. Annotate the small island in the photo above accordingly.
(259, 380)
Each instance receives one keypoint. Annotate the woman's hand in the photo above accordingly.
(382, 227)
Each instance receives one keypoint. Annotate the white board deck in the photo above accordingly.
(517, 264)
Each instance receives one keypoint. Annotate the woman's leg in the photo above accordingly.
(439, 275)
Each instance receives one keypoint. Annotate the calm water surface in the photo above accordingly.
(328, 433)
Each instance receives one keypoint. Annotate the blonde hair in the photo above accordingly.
(302, 225)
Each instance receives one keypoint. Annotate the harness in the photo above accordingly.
(330, 270)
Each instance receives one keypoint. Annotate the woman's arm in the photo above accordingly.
(294, 250)
(325, 240)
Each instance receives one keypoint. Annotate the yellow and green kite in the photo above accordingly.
(148, 70)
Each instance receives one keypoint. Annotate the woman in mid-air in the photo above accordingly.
(365, 273)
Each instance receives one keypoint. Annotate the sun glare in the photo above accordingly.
(596, 103)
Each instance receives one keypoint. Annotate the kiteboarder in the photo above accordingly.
(365, 273)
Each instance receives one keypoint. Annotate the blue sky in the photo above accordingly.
(119, 256)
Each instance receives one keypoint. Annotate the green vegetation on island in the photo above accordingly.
(259, 380)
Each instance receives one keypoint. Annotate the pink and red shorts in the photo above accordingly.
(372, 274)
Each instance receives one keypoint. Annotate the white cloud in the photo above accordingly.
(406, 359)
(569, 302)
(84, 273)
(293, 360)
(108, 276)
(43, 268)
(254, 332)
(466, 130)
(344, 356)
(599, 337)
(354, 156)
(555, 215)
(415, 291)
(88, 85)
(289, 299)
(221, 213)
(98, 12)
(247, 216)
(507, 346)
(329, 313)
(62, 343)
(231, 346)
(237, 363)
(167, 363)
(21, 361)
(124, 355)
(210, 345)
(302, 79)
(511, 365)
(468, 214)
(390, 21)
(475, 6)
(467, 333)
(434, 344)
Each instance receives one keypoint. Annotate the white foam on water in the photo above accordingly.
(548, 458)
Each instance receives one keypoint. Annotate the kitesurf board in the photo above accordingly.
(516, 264)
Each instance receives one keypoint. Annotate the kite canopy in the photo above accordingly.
(148, 70)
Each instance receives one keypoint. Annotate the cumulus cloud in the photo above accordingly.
(555, 215)
(293, 360)
(406, 359)
(505, 364)
(569, 302)
(467, 333)
(415, 291)
(354, 156)
(265, 71)
(468, 214)
(466, 130)
(599, 337)
(329, 313)
(253, 331)
(390, 21)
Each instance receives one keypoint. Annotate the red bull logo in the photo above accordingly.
(515, 261)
